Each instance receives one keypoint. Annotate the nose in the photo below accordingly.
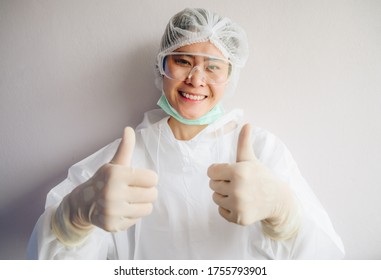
(196, 77)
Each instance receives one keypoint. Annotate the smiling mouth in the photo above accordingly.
(192, 97)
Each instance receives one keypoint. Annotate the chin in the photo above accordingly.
(192, 116)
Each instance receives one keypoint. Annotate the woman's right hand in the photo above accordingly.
(114, 199)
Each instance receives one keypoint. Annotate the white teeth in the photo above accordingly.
(193, 97)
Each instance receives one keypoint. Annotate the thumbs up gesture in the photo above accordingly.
(246, 191)
(114, 199)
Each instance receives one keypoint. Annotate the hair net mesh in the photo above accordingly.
(200, 25)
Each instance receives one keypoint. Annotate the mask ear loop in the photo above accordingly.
(115, 245)
(158, 149)
(218, 133)
(220, 140)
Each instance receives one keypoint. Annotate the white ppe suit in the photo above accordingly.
(185, 223)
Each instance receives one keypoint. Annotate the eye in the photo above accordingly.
(182, 61)
(213, 68)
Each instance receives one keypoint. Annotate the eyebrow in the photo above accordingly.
(207, 58)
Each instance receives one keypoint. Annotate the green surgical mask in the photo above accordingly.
(208, 118)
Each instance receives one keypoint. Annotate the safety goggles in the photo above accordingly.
(182, 66)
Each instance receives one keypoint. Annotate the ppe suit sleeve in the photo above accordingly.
(43, 244)
(316, 238)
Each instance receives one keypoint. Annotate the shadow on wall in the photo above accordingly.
(134, 94)
(18, 218)
(138, 88)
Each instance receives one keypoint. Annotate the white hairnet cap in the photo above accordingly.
(196, 25)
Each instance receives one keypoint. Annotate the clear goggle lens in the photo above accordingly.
(182, 66)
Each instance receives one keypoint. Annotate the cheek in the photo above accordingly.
(165, 84)
(218, 92)
(169, 86)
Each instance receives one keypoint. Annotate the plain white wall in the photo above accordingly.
(74, 73)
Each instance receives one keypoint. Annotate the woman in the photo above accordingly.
(196, 184)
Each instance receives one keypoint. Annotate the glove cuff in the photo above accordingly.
(67, 231)
(286, 225)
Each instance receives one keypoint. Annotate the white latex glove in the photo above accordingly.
(247, 192)
(114, 199)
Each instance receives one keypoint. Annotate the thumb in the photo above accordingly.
(126, 147)
(245, 150)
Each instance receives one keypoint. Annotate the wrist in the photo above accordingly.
(285, 221)
(69, 229)
(75, 208)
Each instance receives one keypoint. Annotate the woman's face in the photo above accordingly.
(193, 98)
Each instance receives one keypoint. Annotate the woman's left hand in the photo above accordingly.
(246, 191)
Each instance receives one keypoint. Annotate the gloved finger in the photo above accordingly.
(137, 210)
(142, 177)
(245, 151)
(126, 223)
(105, 222)
(231, 216)
(220, 172)
(113, 224)
(126, 147)
(221, 200)
(118, 175)
(124, 209)
(226, 214)
(134, 194)
(221, 187)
